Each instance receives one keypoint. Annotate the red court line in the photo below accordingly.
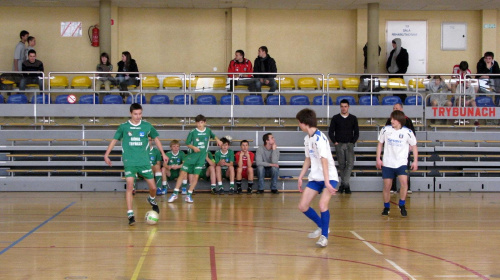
(213, 266)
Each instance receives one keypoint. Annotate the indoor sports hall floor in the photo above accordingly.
(63, 235)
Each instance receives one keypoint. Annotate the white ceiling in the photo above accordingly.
(419, 5)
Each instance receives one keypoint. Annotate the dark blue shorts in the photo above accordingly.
(391, 173)
(320, 185)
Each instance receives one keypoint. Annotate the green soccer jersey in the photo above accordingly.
(155, 155)
(135, 142)
(200, 139)
(228, 157)
(175, 159)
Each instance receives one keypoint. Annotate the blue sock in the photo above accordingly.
(402, 202)
(387, 205)
(311, 214)
(325, 218)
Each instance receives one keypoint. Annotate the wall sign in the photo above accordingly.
(71, 29)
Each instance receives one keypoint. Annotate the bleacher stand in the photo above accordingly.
(253, 100)
(41, 99)
(322, 100)
(391, 100)
(136, 99)
(112, 99)
(351, 99)
(207, 99)
(226, 100)
(89, 99)
(181, 99)
(366, 100)
(276, 100)
(412, 100)
(484, 101)
(17, 99)
(62, 99)
(299, 100)
(159, 99)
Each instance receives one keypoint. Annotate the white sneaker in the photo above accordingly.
(322, 241)
(316, 233)
(172, 198)
(189, 199)
(409, 191)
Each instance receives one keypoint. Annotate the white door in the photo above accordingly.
(413, 35)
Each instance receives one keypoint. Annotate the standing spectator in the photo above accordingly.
(409, 124)
(135, 155)
(240, 65)
(396, 141)
(244, 161)
(344, 132)
(106, 79)
(323, 175)
(267, 158)
(437, 85)
(31, 45)
(398, 62)
(460, 70)
(20, 51)
(127, 64)
(264, 63)
(32, 65)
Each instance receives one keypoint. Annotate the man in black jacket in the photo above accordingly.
(344, 132)
(264, 64)
(398, 62)
(32, 65)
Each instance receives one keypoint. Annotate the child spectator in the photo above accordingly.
(172, 169)
(244, 161)
(437, 85)
(224, 160)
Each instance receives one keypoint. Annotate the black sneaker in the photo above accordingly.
(131, 220)
(213, 191)
(231, 191)
(154, 204)
(221, 191)
(249, 190)
(347, 190)
(386, 212)
(260, 191)
(403, 211)
(239, 190)
(341, 189)
(274, 191)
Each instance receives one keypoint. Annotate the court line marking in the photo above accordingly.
(366, 243)
(135, 231)
(36, 228)
(455, 276)
(213, 266)
(143, 255)
(400, 269)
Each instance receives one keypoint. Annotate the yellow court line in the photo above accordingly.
(143, 256)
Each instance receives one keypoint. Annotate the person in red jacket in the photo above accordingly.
(240, 65)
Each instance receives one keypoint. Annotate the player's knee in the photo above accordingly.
(303, 207)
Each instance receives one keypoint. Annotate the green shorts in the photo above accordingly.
(194, 163)
(144, 171)
(203, 174)
(223, 172)
(174, 174)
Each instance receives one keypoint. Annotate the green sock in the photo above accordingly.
(231, 186)
(176, 191)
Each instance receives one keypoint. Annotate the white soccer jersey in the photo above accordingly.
(396, 145)
(317, 147)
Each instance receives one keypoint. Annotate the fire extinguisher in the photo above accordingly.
(94, 36)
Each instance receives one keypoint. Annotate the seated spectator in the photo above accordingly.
(461, 70)
(127, 64)
(244, 161)
(240, 65)
(224, 160)
(264, 63)
(437, 85)
(266, 159)
(469, 94)
(106, 79)
(32, 65)
(485, 66)
(31, 45)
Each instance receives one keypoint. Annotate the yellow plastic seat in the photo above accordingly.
(81, 82)
(150, 82)
(413, 84)
(333, 83)
(307, 82)
(59, 81)
(350, 83)
(194, 81)
(9, 82)
(285, 82)
(172, 82)
(396, 83)
(219, 82)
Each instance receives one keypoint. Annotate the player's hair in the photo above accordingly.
(224, 140)
(489, 54)
(200, 118)
(436, 77)
(135, 106)
(23, 33)
(266, 137)
(344, 101)
(244, 141)
(31, 51)
(399, 116)
(174, 142)
(264, 49)
(104, 54)
(464, 65)
(307, 117)
(241, 52)
(30, 38)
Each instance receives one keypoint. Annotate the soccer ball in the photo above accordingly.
(151, 217)
(228, 137)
